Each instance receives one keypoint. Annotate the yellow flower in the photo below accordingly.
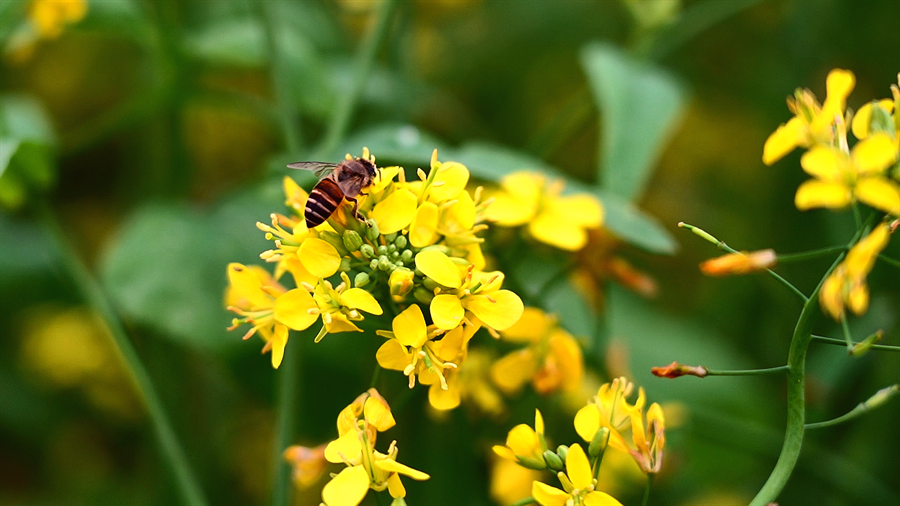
(846, 285)
(742, 262)
(842, 179)
(861, 125)
(525, 445)
(649, 444)
(510, 482)
(812, 123)
(340, 306)
(560, 221)
(50, 16)
(308, 464)
(578, 483)
(551, 361)
(268, 307)
(475, 387)
(299, 251)
(366, 468)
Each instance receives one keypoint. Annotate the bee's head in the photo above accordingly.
(370, 167)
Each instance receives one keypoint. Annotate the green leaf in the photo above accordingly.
(640, 105)
(23, 117)
(239, 42)
(27, 154)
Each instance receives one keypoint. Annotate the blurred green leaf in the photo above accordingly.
(239, 42)
(12, 14)
(695, 20)
(24, 118)
(640, 106)
(166, 267)
(27, 154)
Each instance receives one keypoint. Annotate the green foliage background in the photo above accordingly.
(159, 130)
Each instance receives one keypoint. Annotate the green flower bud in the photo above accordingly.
(460, 261)
(352, 240)
(384, 264)
(361, 280)
(367, 251)
(372, 232)
(400, 242)
(373, 264)
(430, 284)
(562, 451)
(532, 463)
(345, 264)
(395, 255)
(382, 250)
(422, 295)
(553, 461)
(599, 442)
(406, 256)
(398, 501)
(390, 237)
(392, 248)
(334, 240)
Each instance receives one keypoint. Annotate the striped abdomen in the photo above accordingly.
(323, 201)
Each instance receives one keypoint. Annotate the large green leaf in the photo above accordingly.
(640, 106)
(27, 152)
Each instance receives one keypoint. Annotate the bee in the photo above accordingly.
(338, 181)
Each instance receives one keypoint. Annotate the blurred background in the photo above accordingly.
(156, 132)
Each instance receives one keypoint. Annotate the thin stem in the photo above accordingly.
(857, 218)
(375, 376)
(290, 124)
(841, 342)
(364, 61)
(749, 372)
(646, 500)
(889, 261)
(188, 487)
(808, 255)
(862, 408)
(848, 338)
(524, 502)
(288, 399)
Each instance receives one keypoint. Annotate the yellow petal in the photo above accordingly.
(533, 325)
(409, 327)
(505, 452)
(582, 209)
(597, 498)
(438, 266)
(567, 354)
(499, 310)
(392, 355)
(340, 323)
(858, 299)
(447, 311)
(357, 298)
(319, 257)
(279, 341)
(523, 441)
(587, 422)
(524, 185)
(454, 177)
(508, 211)
(556, 230)
(395, 212)
(874, 154)
(395, 486)
(838, 86)
(292, 309)
(830, 297)
(861, 257)
(511, 372)
(825, 163)
(880, 193)
(784, 140)
(345, 448)
(444, 400)
(459, 217)
(392, 466)
(347, 488)
(245, 284)
(815, 193)
(378, 414)
(577, 467)
(422, 231)
(384, 178)
(538, 421)
(546, 495)
(863, 117)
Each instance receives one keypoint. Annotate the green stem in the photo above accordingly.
(284, 101)
(808, 255)
(375, 376)
(524, 502)
(364, 62)
(749, 372)
(841, 342)
(646, 500)
(862, 408)
(288, 399)
(848, 338)
(889, 261)
(188, 487)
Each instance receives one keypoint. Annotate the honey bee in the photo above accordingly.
(339, 181)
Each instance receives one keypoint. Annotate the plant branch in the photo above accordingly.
(841, 342)
(862, 408)
(808, 255)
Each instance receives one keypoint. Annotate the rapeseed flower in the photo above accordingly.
(560, 221)
(579, 485)
(524, 445)
(846, 285)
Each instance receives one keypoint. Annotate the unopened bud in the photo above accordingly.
(861, 348)
(675, 370)
(882, 396)
(352, 240)
(599, 442)
(389, 238)
(400, 241)
(334, 240)
(406, 256)
(384, 263)
(532, 463)
(739, 263)
(553, 461)
(372, 232)
(383, 250)
(562, 451)
(361, 280)
(430, 284)
(345, 264)
(401, 282)
(398, 501)
(373, 264)
(422, 295)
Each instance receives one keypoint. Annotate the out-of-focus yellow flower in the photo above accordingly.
(308, 464)
(299, 251)
(366, 468)
(841, 179)
(846, 285)
(525, 445)
(742, 262)
(551, 360)
(861, 125)
(511, 482)
(267, 307)
(560, 221)
(475, 387)
(50, 16)
(578, 485)
(812, 123)
(649, 443)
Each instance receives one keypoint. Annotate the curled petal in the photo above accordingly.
(279, 341)
(378, 414)
(392, 466)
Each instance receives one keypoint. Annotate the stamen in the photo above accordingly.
(307, 286)
(249, 334)
(313, 310)
(421, 174)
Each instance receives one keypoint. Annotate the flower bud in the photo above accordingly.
(401, 282)
(345, 264)
(361, 280)
(372, 232)
(383, 250)
(373, 264)
(352, 240)
(562, 451)
(599, 442)
(367, 251)
(861, 348)
(430, 284)
(384, 263)
(398, 501)
(739, 263)
(553, 461)
(406, 256)
(334, 240)
(422, 295)
(400, 241)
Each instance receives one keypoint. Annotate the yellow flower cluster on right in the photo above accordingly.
(845, 175)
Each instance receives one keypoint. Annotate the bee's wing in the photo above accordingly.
(321, 169)
(351, 186)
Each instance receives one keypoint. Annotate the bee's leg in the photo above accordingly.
(355, 208)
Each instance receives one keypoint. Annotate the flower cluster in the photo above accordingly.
(358, 426)
(843, 176)
(601, 423)
(415, 251)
